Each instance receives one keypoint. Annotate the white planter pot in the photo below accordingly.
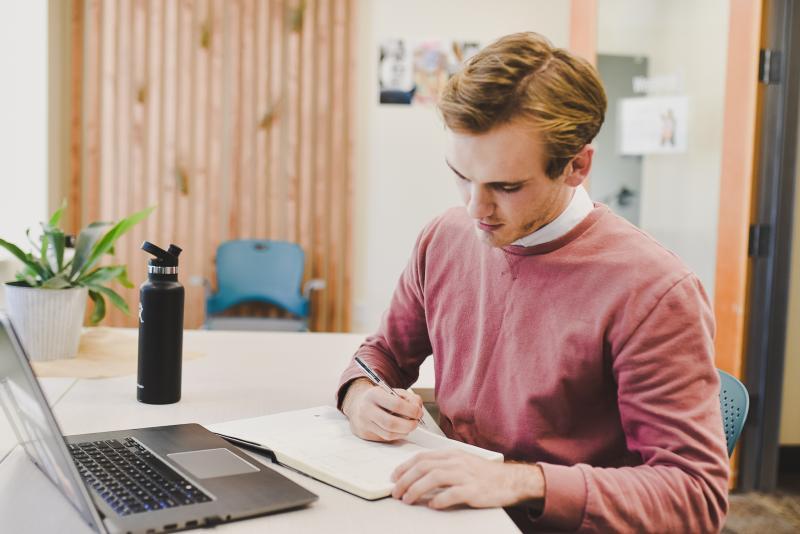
(48, 321)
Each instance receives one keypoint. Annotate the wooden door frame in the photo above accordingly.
(740, 147)
(770, 246)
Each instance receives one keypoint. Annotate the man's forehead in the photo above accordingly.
(505, 156)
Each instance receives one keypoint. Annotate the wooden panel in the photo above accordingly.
(196, 254)
(97, 192)
(88, 14)
(136, 197)
(184, 166)
(736, 196)
(275, 116)
(233, 46)
(739, 144)
(351, 40)
(213, 137)
(153, 118)
(168, 191)
(261, 64)
(234, 118)
(335, 244)
(583, 29)
(292, 109)
(322, 164)
(248, 119)
(307, 151)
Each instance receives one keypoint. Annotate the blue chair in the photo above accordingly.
(735, 402)
(270, 272)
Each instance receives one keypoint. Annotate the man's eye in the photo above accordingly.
(510, 188)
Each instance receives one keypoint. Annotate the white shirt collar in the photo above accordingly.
(578, 208)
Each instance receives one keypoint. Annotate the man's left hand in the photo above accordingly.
(453, 477)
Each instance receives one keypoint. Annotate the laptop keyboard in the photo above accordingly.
(130, 479)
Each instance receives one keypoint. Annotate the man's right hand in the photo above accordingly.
(376, 415)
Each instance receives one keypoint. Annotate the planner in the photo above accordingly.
(318, 442)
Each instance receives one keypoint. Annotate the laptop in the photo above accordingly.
(157, 479)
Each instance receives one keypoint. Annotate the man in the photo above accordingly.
(563, 336)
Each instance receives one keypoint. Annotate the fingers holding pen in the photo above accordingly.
(403, 403)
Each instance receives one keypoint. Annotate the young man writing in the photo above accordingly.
(563, 336)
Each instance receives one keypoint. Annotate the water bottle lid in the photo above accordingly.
(163, 258)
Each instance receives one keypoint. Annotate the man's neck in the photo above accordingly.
(573, 209)
(559, 206)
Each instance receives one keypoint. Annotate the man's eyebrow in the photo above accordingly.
(455, 171)
(498, 184)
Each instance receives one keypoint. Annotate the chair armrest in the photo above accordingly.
(312, 285)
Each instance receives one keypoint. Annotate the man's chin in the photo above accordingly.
(493, 239)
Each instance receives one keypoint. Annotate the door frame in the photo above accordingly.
(770, 244)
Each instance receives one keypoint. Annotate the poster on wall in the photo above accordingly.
(653, 125)
(416, 72)
(395, 72)
(430, 71)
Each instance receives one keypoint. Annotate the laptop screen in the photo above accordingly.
(30, 416)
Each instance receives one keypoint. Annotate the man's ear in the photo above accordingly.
(578, 169)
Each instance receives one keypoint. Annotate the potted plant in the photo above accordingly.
(47, 301)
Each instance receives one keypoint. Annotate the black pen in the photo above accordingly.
(378, 381)
(250, 445)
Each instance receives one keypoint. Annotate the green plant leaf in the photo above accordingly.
(123, 278)
(34, 245)
(101, 274)
(113, 296)
(56, 282)
(83, 246)
(27, 270)
(99, 310)
(56, 217)
(23, 276)
(53, 256)
(43, 255)
(107, 241)
(59, 243)
(27, 259)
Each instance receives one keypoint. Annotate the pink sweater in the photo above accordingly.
(591, 355)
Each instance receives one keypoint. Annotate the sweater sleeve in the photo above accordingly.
(401, 343)
(667, 391)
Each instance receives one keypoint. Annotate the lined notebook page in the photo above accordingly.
(318, 442)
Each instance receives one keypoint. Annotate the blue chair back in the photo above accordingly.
(735, 402)
(251, 270)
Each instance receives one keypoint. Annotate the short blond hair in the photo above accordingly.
(523, 77)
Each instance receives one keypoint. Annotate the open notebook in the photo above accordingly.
(318, 442)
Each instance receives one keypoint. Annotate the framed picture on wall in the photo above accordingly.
(653, 125)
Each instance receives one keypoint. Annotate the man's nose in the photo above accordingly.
(480, 203)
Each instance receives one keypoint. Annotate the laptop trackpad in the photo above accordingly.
(212, 463)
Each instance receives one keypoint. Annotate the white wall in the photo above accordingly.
(680, 192)
(401, 181)
(23, 120)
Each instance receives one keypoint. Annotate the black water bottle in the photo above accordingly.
(160, 328)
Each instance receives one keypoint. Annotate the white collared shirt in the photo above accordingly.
(578, 208)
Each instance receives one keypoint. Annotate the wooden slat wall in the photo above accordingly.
(234, 117)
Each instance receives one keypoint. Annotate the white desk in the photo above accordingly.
(54, 389)
(242, 374)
